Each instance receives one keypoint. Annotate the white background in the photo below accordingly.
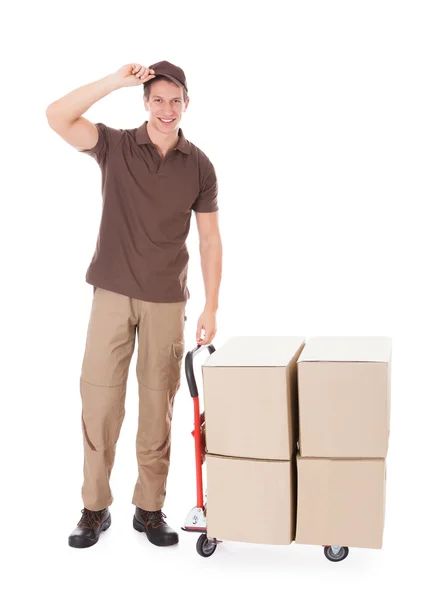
(323, 121)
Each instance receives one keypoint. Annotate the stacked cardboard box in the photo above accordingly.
(344, 424)
(250, 403)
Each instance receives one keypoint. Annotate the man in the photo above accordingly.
(152, 179)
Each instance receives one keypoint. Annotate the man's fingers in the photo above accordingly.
(142, 70)
(209, 335)
(140, 73)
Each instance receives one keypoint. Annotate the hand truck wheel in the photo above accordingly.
(204, 546)
(336, 553)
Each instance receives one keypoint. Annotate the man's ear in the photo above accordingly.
(186, 104)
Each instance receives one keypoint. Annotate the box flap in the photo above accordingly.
(255, 351)
(347, 349)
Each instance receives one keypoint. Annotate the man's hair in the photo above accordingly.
(149, 83)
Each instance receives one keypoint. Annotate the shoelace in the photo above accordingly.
(90, 518)
(153, 517)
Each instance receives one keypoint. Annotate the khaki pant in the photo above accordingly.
(114, 321)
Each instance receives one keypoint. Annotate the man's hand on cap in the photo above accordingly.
(133, 74)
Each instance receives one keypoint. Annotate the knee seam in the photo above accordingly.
(104, 386)
(152, 389)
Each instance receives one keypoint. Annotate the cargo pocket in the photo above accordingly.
(175, 366)
(178, 349)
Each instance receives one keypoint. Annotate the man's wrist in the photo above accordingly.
(113, 81)
(211, 307)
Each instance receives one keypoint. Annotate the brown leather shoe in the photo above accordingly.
(89, 527)
(152, 523)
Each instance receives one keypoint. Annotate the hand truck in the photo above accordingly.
(196, 518)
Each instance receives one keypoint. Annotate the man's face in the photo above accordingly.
(166, 105)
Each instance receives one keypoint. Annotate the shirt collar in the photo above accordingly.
(142, 137)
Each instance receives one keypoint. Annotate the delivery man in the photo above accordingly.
(152, 179)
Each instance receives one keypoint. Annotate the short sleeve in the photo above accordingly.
(107, 141)
(207, 200)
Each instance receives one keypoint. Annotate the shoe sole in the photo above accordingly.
(79, 542)
(141, 529)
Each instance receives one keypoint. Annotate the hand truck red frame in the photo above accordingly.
(196, 519)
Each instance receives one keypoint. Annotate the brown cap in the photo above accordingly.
(170, 71)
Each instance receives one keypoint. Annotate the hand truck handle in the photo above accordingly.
(188, 365)
(197, 417)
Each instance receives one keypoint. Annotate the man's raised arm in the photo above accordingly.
(65, 115)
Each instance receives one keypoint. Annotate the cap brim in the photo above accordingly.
(175, 81)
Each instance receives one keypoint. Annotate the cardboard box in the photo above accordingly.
(344, 397)
(250, 397)
(340, 502)
(250, 500)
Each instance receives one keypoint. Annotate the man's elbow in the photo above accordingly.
(211, 241)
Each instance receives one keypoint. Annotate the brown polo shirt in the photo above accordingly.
(147, 206)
